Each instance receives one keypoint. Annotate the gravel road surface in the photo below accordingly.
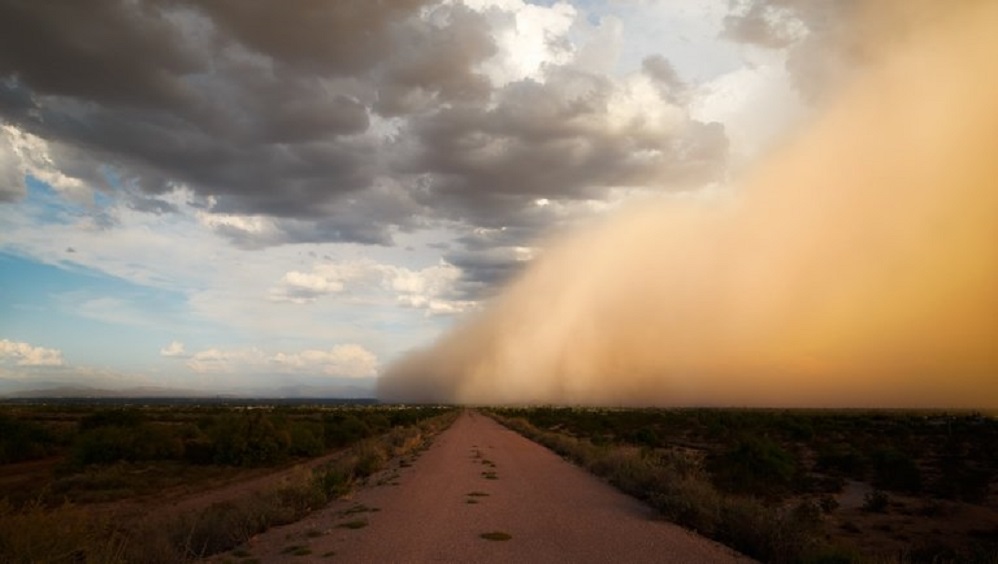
(479, 477)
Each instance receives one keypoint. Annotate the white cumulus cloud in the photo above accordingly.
(24, 354)
(345, 361)
(352, 361)
(174, 349)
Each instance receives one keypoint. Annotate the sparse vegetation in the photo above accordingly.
(876, 501)
(766, 482)
(359, 508)
(353, 524)
(297, 550)
(88, 535)
(496, 536)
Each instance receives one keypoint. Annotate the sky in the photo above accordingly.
(242, 197)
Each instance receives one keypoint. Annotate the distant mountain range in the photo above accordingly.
(15, 390)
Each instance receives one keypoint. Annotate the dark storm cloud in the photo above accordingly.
(297, 113)
(345, 37)
(11, 178)
(238, 100)
(436, 63)
(485, 269)
(106, 51)
(554, 139)
(151, 205)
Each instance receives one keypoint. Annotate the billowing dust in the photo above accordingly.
(856, 266)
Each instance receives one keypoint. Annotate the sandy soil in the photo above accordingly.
(552, 510)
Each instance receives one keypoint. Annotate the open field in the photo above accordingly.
(797, 485)
(168, 483)
(161, 483)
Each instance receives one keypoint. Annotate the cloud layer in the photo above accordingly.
(339, 121)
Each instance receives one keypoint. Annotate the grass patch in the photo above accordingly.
(38, 532)
(297, 550)
(684, 494)
(496, 536)
(313, 533)
(471, 501)
(329, 554)
(478, 494)
(490, 475)
(354, 524)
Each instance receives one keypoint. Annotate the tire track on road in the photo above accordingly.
(479, 478)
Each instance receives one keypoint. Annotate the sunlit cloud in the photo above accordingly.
(25, 354)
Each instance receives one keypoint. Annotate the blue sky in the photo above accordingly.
(214, 206)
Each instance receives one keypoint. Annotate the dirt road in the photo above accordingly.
(479, 477)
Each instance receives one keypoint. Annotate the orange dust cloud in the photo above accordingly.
(856, 266)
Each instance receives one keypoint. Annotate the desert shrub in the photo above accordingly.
(122, 418)
(218, 527)
(342, 429)
(24, 440)
(842, 460)
(828, 503)
(249, 439)
(693, 503)
(755, 465)
(370, 459)
(199, 450)
(335, 480)
(896, 471)
(959, 480)
(106, 444)
(676, 485)
(796, 428)
(306, 439)
(783, 535)
(627, 469)
(832, 555)
(876, 501)
(63, 534)
(645, 436)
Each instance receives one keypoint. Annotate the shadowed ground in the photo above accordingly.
(479, 477)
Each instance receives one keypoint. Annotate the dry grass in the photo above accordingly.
(679, 488)
(72, 533)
